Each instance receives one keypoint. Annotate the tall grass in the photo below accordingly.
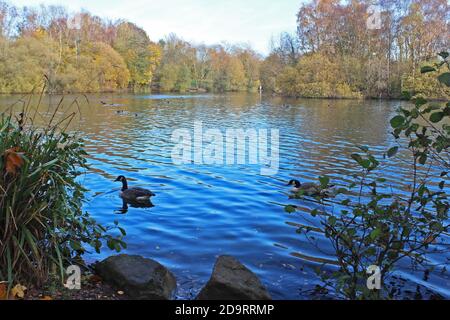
(42, 224)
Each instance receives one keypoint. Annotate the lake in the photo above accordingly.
(203, 211)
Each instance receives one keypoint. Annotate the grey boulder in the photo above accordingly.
(138, 277)
(231, 280)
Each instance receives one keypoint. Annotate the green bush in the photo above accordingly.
(383, 228)
(426, 84)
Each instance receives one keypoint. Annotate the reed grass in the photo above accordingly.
(42, 224)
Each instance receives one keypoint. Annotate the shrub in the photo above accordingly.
(42, 225)
(425, 84)
(384, 228)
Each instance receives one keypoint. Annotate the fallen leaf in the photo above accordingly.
(13, 160)
(3, 290)
(95, 278)
(46, 298)
(18, 291)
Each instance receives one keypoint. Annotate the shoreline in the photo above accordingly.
(209, 93)
(265, 95)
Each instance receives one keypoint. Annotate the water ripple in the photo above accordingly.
(204, 211)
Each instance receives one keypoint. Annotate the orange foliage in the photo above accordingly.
(13, 160)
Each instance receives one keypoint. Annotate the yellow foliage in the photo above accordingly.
(40, 33)
(315, 76)
(18, 291)
(426, 84)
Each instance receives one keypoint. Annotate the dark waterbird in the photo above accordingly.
(135, 195)
(311, 189)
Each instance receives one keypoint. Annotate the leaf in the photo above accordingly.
(76, 245)
(436, 117)
(420, 101)
(324, 181)
(13, 160)
(95, 279)
(122, 231)
(392, 151)
(430, 239)
(375, 233)
(426, 69)
(397, 121)
(3, 291)
(364, 148)
(423, 159)
(18, 291)
(445, 78)
(406, 95)
(365, 163)
(443, 54)
(356, 157)
(110, 244)
(46, 298)
(332, 220)
(289, 209)
(447, 111)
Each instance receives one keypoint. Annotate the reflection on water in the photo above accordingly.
(205, 211)
(126, 205)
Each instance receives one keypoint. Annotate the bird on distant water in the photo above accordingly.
(310, 188)
(135, 194)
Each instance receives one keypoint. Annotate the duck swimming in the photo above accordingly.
(135, 194)
(310, 189)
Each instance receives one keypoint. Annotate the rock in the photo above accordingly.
(231, 280)
(139, 277)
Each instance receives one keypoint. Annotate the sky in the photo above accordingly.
(252, 22)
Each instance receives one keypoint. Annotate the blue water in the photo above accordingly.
(203, 211)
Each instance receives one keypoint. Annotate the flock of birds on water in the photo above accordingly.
(141, 197)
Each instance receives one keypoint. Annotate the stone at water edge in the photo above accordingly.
(231, 280)
(139, 277)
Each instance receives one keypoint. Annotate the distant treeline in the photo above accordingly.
(337, 53)
(84, 53)
(333, 54)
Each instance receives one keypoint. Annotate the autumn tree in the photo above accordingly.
(371, 62)
(251, 62)
(140, 55)
(270, 70)
(26, 62)
(374, 62)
